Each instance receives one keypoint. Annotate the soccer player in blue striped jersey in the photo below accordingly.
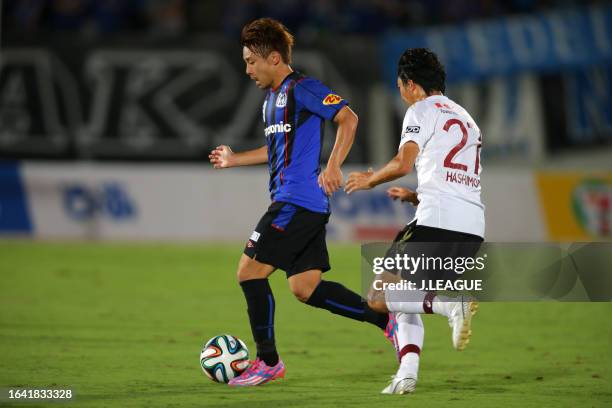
(294, 114)
(291, 234)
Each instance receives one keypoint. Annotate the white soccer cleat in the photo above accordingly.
(400, 385)
(460, 320)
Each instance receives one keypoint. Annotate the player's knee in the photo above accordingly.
(302, 289)
(302, 292)
(302, 285)
(247, 273)
(248, 269)
(243, 274)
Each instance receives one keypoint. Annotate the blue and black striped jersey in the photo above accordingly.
(294, 114)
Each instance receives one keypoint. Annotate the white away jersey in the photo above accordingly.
(448, 165)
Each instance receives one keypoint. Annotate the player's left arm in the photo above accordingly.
(399, 166)
(404, 195)
(330, 179)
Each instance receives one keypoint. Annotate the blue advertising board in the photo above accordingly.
(539, 42)
(14, 214)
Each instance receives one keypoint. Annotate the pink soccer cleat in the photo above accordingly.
(391, 334)
(259, 373)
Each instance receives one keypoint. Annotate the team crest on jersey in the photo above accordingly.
(281, 100)
(332, 99)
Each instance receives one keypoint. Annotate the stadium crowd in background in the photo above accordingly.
(94, 17)
(307, 19)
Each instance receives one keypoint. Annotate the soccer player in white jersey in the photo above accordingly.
(442, 141)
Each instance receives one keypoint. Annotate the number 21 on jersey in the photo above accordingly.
(449, 160)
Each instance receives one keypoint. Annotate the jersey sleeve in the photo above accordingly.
(415, 128)
(318, 98)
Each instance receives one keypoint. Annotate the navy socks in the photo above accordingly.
(338, 299)
(260, 302)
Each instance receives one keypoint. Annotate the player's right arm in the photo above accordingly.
(320, 100)
(223, 157)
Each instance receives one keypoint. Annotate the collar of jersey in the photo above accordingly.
(282, 82)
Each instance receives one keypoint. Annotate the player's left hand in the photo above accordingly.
(404, 194)
(359, 180)
(330, 179)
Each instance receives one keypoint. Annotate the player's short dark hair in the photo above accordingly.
(422, 67)
(265, 35)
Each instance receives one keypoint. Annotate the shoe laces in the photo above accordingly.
(254, 365)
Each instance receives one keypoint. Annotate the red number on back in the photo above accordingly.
(448, 160)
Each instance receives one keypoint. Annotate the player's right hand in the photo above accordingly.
(404, 194)
(330, 179)
(221, 157)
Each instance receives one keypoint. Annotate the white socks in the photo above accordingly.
(410, 335)
(416, 302)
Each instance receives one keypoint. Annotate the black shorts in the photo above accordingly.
(291, 238)
(420, 240)
(422, 233)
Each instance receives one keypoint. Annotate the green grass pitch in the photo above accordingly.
(122, 325)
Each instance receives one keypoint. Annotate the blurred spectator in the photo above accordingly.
(66, 15)
(109, 16)
(22, 15)
(166, 17)
(239, 12)
(305, 18)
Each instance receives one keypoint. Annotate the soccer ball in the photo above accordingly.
(224, 357)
